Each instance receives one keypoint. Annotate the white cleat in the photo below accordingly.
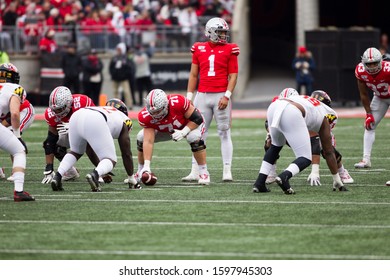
(71, 174)
(2, 175)
(388, 183)
(227, 174)
(345, 177)
(204, 179)
(136, 177)
(11, 178)
(192, 177)
(364, 163)
(271, 176)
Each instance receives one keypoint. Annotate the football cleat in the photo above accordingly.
(285, 185)
(227, 174)
(388, 183)
(192, 177)
(364, 163)
(11, 178)
(126, 181)
(204, 179)
(2, 175)
(271, 176)
(56, 184)
(22, 196)
(260, 189)
(71, 174)
(345, 177)
(93, 180)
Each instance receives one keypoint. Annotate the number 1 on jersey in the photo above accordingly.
(211, 71)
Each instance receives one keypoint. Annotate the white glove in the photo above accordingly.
(48, 176)
(133, 183)
(180, 134)
(63, 128)
(314, 177)
(337, 183)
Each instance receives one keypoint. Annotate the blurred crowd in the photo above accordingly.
(131, 22)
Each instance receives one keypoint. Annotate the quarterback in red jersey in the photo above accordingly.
(170, 117)
(62, 104)
(216, 64)
(372, 74)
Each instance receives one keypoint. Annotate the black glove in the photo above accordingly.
(24, 145)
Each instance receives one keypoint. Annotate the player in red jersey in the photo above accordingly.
(62, 104)
(170, 117)
(27, 113)
(372, 74)
(216, 63)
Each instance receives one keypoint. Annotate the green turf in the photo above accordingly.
(175, 220)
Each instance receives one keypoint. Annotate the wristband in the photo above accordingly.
(147, 164)
(17, 132)
(185, 130)
(228, 93)
(336, 177)
(190, 95)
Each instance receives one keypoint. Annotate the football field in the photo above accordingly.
(183, 221)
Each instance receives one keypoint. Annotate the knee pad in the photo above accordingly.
(20, 160)
(140, 146)
(59, 152)
(315, 145)
(198, 146)
(223, 127)
(193, 136)
(272, 154)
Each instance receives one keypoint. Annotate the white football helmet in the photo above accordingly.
(60, 101)
(372, 60)
(287, 92)
(217, 30)
(157, 104)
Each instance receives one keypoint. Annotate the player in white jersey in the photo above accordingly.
(98, 126)
(290, 120)
(11, 96)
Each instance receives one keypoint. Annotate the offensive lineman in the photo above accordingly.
(216, 63)
(62, 104)
(171, 117)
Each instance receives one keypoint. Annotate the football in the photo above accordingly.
(149, 178)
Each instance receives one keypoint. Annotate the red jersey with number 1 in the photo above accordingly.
(79, 101)
(178, 105)
(216, 62)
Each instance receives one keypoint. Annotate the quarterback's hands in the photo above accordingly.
(49, 174)
(63, 128)
(143, 170)
(24, 144)
(314, 179)
(133, 183)
(370, 121)
(179, 134)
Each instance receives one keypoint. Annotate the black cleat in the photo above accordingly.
(260, 189)
(22, 196)
(56, 184)
(284, 185)
(93, 180)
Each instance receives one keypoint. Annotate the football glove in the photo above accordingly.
(133, 183)
(337, 183)
(63, 128)
(370, 121)
(314, 179)
(179, 134)
(49, 174)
